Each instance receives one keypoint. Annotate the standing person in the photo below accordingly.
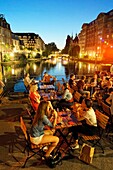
(89, 122)
(37, 133)
(34, 95)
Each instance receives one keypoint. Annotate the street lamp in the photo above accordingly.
(96, 55)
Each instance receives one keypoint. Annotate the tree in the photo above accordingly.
(49, 49)
(67, 46)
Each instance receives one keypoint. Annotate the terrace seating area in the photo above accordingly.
(53, 93)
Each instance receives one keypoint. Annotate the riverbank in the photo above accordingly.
(73, 60)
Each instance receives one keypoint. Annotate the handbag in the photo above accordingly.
(86, 153)
(54, 160)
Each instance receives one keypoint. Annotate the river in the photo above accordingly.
(14, 73)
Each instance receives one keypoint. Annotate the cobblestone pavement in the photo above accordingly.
(12, 158)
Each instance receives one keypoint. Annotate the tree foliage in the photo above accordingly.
(49, 49)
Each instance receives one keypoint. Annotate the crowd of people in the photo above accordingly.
(46, 112)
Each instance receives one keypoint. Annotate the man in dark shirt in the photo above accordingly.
(81, 85)
(72, 82)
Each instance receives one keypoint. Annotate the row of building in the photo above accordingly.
(11, 42)
(96, 37)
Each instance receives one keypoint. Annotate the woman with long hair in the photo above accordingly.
(37, 134)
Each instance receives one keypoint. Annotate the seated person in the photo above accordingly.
(106, 84)
(34, 96)
(109, 100)
(93, 84)
(72, 82)
(27, 81)
(81, 85)
(51, 114)
(89, 122)
(106, 95)
(77, 107)
(47, 79)
(37, 132)
(67, 98)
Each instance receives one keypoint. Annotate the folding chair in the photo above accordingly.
(31, 148)
(106, 109)
(102, 121)
(77, 96)
(30, 114)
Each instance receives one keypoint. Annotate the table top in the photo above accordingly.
(46, 87)
(66, 120)
(49, 95)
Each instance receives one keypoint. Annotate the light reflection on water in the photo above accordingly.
(59, 68)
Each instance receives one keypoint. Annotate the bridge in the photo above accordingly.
(58, 55)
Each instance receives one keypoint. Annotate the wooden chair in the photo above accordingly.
(77, 96)
(31, 148)
(30, 114)
(102, 121)
(106, 109)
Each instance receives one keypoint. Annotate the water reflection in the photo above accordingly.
(57, 67)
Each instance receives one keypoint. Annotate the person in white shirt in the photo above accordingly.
(89, 122)
(67, 98)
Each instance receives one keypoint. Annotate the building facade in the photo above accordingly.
(5, 37)
(96, 37)
(31, 41)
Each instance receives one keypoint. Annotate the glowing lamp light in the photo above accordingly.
(90, 54)
(80, 65)
(12, 54)
(13, 71)
(98, 48)
(34, 67)
(89, 68)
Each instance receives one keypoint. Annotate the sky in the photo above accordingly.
(53, 20)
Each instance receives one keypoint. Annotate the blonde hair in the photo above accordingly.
(32, 88)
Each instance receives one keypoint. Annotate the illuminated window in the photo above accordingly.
(107, 36)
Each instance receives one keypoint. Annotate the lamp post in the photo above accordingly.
(96, 55)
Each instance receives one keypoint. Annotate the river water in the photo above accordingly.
(56, 67)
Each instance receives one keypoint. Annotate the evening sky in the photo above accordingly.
(53, 20)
